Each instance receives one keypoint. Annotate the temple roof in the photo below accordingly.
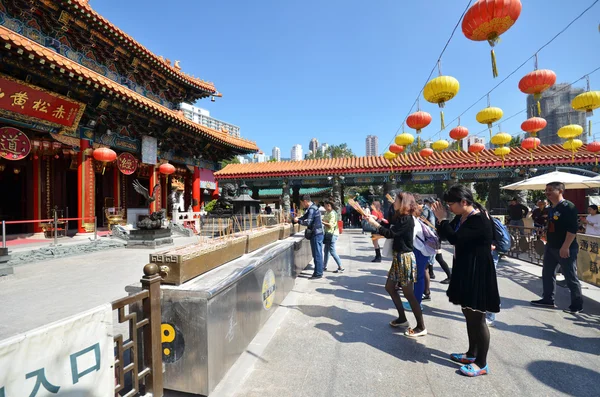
(451, 160)
(97, 21)
(124, 94)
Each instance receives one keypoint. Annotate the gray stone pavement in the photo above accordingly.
(331, 337)
(43, 292)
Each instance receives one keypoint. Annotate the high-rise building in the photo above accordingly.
(372, 145)
(276, 154)
(468, 141)
(260, 157)
(323, 148)
(202, 116)
(313, 145)
(297, 153)
(556, 109)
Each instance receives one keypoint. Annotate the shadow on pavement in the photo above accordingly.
(373, 329)
(573, 380)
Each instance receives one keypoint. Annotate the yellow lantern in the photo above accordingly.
(389, 156)
(440, 90)
(572, 145)
(587, 102)
(404, 139)
(502, 151)
(489, 116)
(570, 131)
(501, 138)
(440, 145)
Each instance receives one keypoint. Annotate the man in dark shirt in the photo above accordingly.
(312, 220)
(516, 212)
(561, 248)
(540, 214)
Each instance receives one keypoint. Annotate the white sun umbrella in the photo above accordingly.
(571, 181)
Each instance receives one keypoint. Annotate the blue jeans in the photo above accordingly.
(316, 246)
(330, 249)
(520, 224)
(569, 270)
(422, 262)
(496, 258)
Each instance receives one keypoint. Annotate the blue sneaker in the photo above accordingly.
(406, 306)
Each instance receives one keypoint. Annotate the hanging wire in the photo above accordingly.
(434, 67)
(522, 64)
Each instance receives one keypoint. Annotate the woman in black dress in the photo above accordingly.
(403, 272)
(473, 284)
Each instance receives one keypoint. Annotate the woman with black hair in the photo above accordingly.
(473, 284)
(592, 221)
(403, 272)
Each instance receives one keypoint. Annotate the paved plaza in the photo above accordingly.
(331, 337)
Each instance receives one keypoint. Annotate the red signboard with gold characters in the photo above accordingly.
(127, 163)
(23, 101)
(14, 144)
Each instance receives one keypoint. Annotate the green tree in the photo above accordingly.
(226, 162)
(482, 190)
(317, 155)
(272, 161)
(339, 151)
(515, 142)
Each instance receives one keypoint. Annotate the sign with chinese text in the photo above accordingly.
(26, 102)
(71, 357)
(127, 163)
(14, 144)
(149, 150)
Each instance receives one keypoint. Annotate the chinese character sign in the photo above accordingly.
(14, 144)
(127, 163)
(149, 150)
(27, 102)
(71, 357)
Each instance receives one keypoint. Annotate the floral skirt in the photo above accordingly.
(404, 269)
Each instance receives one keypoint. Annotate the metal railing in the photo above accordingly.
(140, 355)
(527, 243)
(54, 221)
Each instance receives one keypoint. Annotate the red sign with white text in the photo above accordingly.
(14, 144)
(127, 163)
(31, 103)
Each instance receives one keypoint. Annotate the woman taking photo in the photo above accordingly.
(332, 232)
(473, 284)
(402, 273)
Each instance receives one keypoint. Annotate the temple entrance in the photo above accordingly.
(14, 187)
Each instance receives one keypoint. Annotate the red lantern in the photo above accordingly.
(533, 125)
(488, 19)
(396, 149)
(105, 155)
(418, 120)
(459, 133)
(536, 82)
(594, 147)
(166, 169)
(530, 144)
(476, 148)
(427, 152)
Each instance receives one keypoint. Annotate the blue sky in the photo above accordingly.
(341, 70)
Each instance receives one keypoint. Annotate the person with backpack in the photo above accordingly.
(427, 202)
(314, 232)
(473, 285)
(402, 273)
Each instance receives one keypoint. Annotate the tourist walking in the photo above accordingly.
(314, 224)
(517, 212)
(378, 216)
(473, 285)
(332, 232)
(561, 248)
(402, 273)
(592, 221)
(540, 214)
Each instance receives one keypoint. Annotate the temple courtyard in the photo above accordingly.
(330, 337)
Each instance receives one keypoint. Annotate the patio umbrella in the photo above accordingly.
(571, 181)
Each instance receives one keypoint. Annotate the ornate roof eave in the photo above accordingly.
(103, 84)
(552, 155)
(99, 22)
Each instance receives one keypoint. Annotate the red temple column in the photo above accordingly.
(215, 194)
(117, 186)
(37, 192)
(86, 186)
(164, 190)
(156, 205)
(196, 189)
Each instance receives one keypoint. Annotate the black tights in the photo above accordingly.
(409, 294)
(479, 336)
(440, 259)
